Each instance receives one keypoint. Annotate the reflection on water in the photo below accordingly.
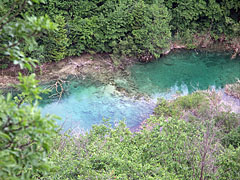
(178, 73)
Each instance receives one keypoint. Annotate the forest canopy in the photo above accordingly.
(124, 27)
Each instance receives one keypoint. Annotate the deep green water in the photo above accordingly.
(185, 71)
(180, 72)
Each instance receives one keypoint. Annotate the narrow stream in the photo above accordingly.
(180, 72)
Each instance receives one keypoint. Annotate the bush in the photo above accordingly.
(229, 163)
(191, 101)
(126, 28)
(25, 135)
(176, 107)
(227, 121)
(232, 138)
(171, 150)
(166, 109)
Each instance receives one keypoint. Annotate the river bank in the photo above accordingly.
(93, 87)
(213, 102)
(206, 42)
(102, 68)
(97, 66)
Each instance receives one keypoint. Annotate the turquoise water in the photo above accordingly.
(89, 104)
(185, 72)
(180, 72)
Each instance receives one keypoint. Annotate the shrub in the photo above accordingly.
(191, 101)
(232, 138)
(229, 163)
(166, 109)
(25, 135)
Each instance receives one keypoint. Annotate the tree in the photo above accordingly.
(25, 135)
(57, 41)
(17, 29)
(146, 29)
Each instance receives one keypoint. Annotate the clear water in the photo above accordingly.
(185, 72)
(181, 72)
(87, 105)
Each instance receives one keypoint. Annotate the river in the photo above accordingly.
(181, 72)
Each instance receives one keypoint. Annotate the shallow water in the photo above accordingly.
(185, 72)
(87, 105)
(180, 72)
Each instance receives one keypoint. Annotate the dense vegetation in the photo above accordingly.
(192, 137)
(142, 28)
(25, 136)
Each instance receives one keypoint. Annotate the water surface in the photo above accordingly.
(89, 104)
(185, 72)
(180, 72)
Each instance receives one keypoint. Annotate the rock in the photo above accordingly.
(167, 52)
(235, 53)
(172, 47)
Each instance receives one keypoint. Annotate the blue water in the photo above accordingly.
(178, 73)
(88, 105)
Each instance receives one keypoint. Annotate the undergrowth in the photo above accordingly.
(192, 137)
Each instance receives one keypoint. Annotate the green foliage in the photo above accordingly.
(85, 35)
(183, 138)
(3, 66)
(150, 31)
(172, 149)
(229, 163)
(200, 23)
(232, 138)
(214, 126)
(183, 103)
(17, 29)
(125, 28)
(25, 136)
(166, 109)
(142, 29)
(227, 120)
(199, 107)
(191, 101)
(203, 16)
(106, 153)
(57, 42)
